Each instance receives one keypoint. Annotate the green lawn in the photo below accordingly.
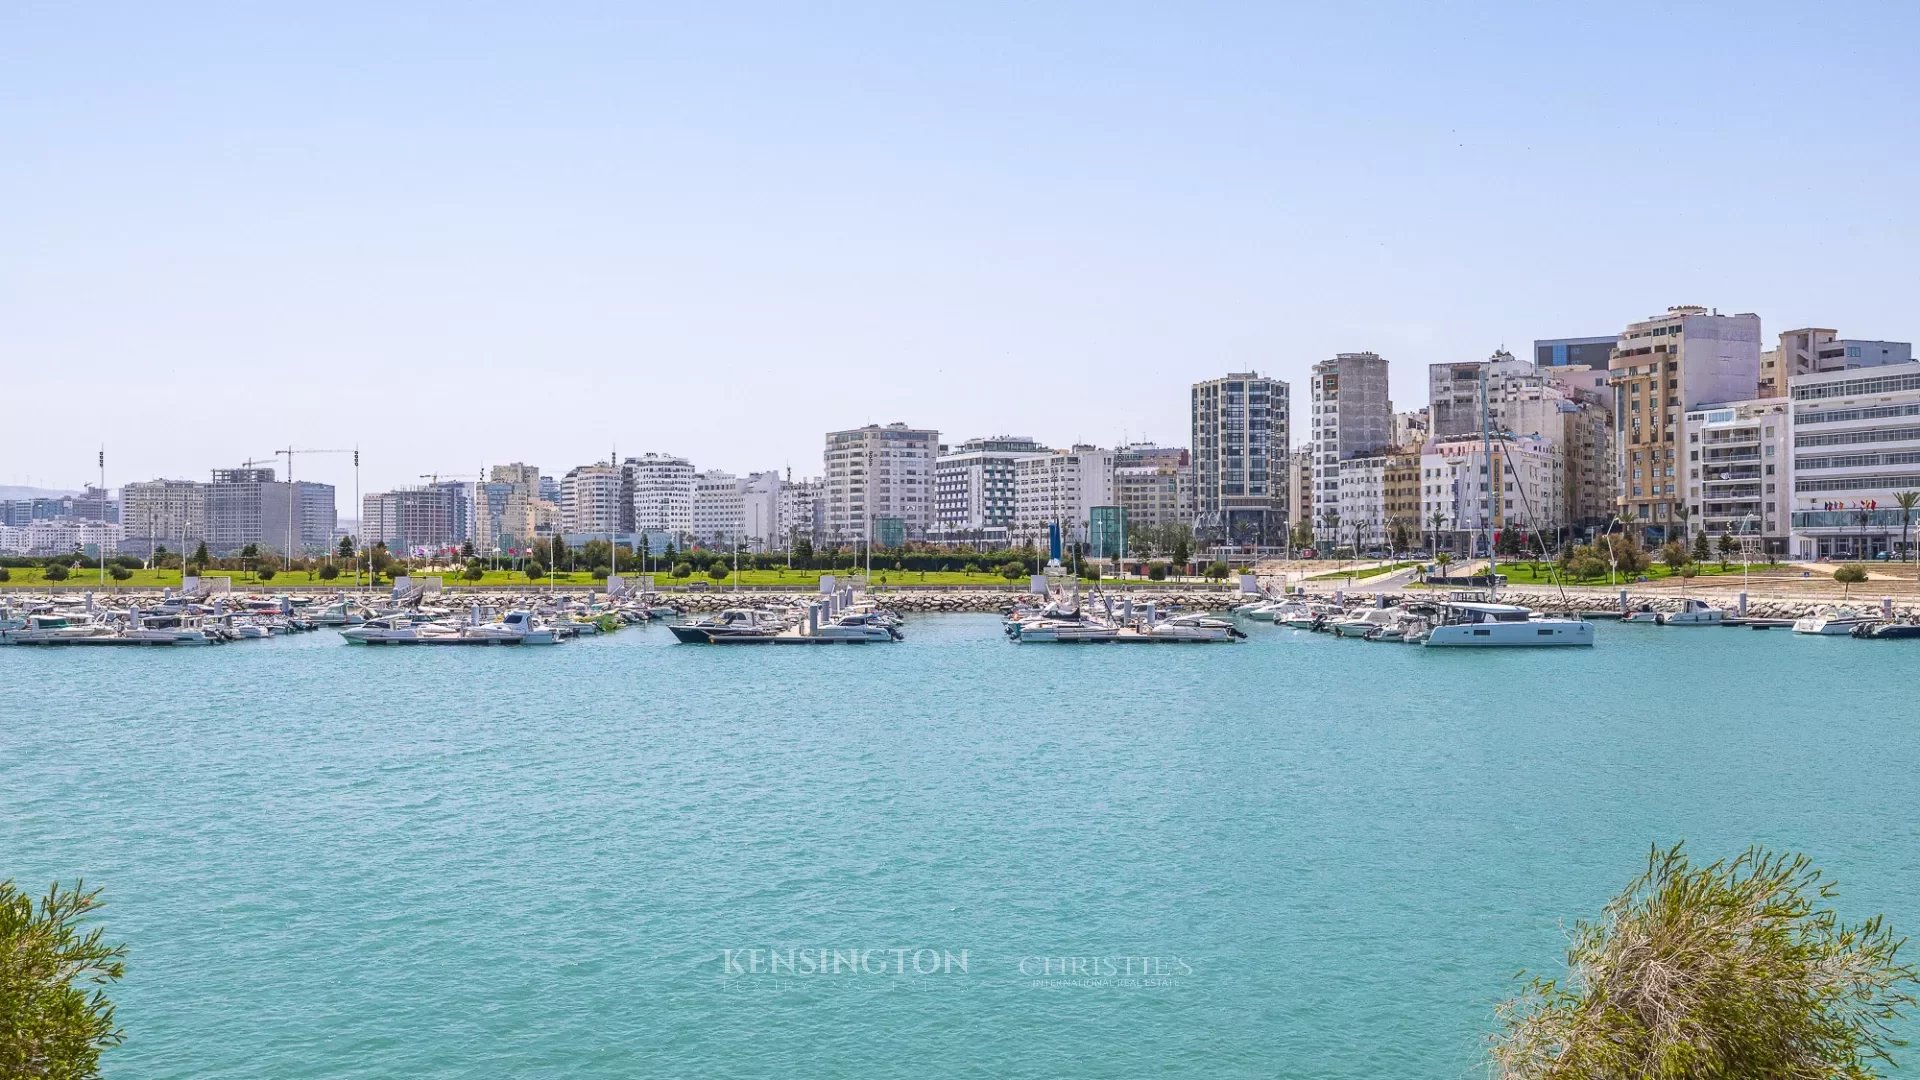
(1524, 573)
(1362, 575)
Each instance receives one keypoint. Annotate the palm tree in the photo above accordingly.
(1681, 512)
(1906, 500)
(1438, 520)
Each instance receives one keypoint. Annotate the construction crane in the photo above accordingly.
(293, 539)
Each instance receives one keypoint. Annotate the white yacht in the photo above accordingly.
(1830, 622)
(1483, 625)
(57, 630)
(396, 630)
(1364, 622)
(1065, 632)
(1694, 613)
(514, 628)
(1196, 627)
(856, 628)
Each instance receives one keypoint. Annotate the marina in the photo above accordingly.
(1262, 811)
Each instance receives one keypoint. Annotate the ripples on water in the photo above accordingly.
(340, 862)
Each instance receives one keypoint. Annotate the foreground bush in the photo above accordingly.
(1733, 971)
(54, 1015)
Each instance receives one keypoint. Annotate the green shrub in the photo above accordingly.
(535, 571)
(1157, 571)
(682, 569)
(718, 570)
(600, 572)
(265, 573)
(118, 572)
(55, 572)
(1013, 571)
(329, 572)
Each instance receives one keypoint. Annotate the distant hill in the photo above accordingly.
(32, 493)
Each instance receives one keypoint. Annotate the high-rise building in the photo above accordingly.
(1241, 432)
(424, 520)
(1661, 367)
(1812, 349)
(596, 499)
(874, 472)
(1352, 416)
(1856, 446)
(662, 492)
(164, 513)
(248, 506)
(1061, 487)
(973, 484)
(1593, 352)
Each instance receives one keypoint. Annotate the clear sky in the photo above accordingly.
(481, 233)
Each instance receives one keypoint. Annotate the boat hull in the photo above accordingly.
(1517, 635)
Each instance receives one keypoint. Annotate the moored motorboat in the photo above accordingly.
(1830, 622)
(1693, 613)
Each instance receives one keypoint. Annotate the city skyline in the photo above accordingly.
(433, 238)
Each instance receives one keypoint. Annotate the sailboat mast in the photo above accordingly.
(1493, 473)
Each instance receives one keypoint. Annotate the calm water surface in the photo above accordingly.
(342, 862)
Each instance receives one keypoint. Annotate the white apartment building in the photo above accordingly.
(802, 513)
(973, 483)
(877, 472)
(59, 536)
(1856, 446)
(594, 499)
(1352, 416)
(1739, 470)
(760, 511)
(1064, 487)
(717, 508)
(1362, 521)
(662, 488)
(169, 513)
(1471, 500)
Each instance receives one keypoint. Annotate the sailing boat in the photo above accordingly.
(1485, 624)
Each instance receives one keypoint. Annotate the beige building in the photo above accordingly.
(1811, 350)
(1661, 367)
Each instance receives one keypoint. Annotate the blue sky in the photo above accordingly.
(469, 234)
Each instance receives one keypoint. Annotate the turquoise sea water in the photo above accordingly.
(341, 862)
